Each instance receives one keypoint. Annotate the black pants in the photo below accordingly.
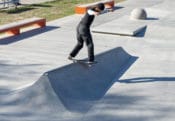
(84, 35)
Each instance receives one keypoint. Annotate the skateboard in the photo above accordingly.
(85, 62)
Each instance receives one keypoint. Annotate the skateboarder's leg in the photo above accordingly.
(90, 46)
(78, 46)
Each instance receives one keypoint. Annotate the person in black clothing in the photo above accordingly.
(83, 32)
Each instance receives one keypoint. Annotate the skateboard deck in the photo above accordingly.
(85, 62)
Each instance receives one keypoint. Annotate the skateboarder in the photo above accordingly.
(83, 32)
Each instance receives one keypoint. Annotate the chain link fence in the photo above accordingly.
(8, 3)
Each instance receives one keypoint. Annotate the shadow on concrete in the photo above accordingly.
(27, 34)
(12, 73)
(152, 18)
(80, 87)
(114, 8)
(111, 106)
(40, 5)
(146, 79)
(117, 7)
(142, 32)
(19, 10)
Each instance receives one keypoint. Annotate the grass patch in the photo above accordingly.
(49, 10)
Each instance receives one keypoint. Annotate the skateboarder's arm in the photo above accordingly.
(91, 12)
(109, 8)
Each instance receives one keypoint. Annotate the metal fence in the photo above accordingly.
(8, 3)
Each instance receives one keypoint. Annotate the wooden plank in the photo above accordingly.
(81, 9)
(14, 28)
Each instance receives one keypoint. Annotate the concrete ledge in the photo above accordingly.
(81, 9)
(123, 26)
(14, 28)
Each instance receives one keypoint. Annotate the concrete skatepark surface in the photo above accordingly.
(134, 79)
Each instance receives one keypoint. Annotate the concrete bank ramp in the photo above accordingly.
(79, 86)
(66, 93)
(38, 102)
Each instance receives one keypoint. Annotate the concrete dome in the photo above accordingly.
(138, 13)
